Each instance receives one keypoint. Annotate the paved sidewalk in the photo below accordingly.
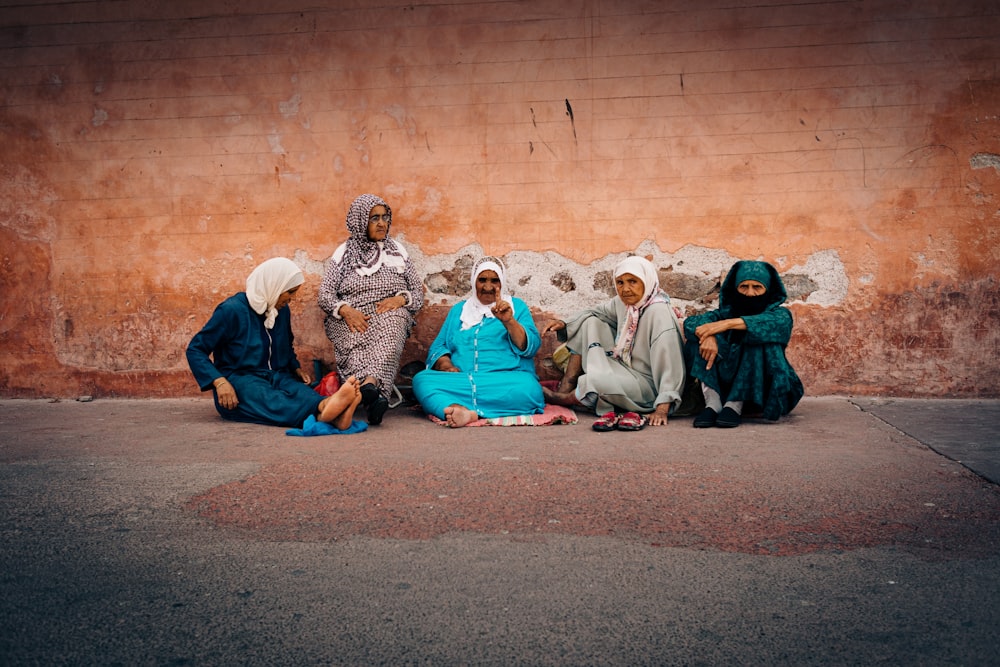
(966, 430)
(856, 531)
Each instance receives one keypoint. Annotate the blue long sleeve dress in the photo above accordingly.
(259, 363)
(496, 378)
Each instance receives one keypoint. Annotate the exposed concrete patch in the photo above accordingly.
(100, 117)
(290, 107)
(550, 282)
(274, 141)
(827, 271)
(985, 161)
(19, 205)
(309, 266)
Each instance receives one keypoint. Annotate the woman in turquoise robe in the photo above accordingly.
(481, 364)
(737, 351)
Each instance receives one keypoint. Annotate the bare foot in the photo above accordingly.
(333, 406)
(458, 416)
(345, 418)
(568, 399)
(574, 369)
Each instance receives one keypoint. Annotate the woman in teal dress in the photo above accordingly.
(481, 365)
(246, 356)
(737, 352)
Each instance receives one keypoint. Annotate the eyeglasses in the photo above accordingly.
(385, 217)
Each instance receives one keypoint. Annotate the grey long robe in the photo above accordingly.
(657, 372)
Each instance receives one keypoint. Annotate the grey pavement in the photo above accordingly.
(965, 430)
(854, 532)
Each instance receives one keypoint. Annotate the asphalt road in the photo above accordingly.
(153, 533)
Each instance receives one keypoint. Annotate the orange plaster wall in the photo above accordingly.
(154, 153)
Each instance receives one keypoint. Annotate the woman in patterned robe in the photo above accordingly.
(370, 293)
(737, 351)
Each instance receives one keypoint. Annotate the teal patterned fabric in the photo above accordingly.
(751, 366)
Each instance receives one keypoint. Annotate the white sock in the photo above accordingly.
(712, 398)
(735, 406)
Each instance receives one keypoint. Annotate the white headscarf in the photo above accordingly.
(475, 310)
(643, 269)
(268, 282)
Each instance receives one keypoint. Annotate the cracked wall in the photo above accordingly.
(153, 158)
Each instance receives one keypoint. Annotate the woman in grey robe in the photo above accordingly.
(626, 355)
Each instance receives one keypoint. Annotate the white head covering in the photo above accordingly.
(643, 269)
(268, 282)
(475, 310)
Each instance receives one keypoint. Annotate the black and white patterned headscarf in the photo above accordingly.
(366, 256)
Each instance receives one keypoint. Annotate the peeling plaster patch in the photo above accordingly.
(290, 107)
(100, 117)
(313, 267)
(550, 282)
(21, 211)
(985, 161)
(431, 204)
(137, 336)
(338, 164)
(274, 140)
(798, 287)
(826, 270)
(937, 256)
(866, 279)
(397, 113)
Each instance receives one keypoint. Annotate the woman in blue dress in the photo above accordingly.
(245, 354)
(481, 365)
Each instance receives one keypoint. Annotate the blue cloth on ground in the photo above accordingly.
(312, 427)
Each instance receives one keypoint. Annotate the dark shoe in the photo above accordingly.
(706, 418)
(369, 393)
(728, 418)
(377, 410)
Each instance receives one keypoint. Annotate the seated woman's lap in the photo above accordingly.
(496, 394)
(271, 398)
(379, 346)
